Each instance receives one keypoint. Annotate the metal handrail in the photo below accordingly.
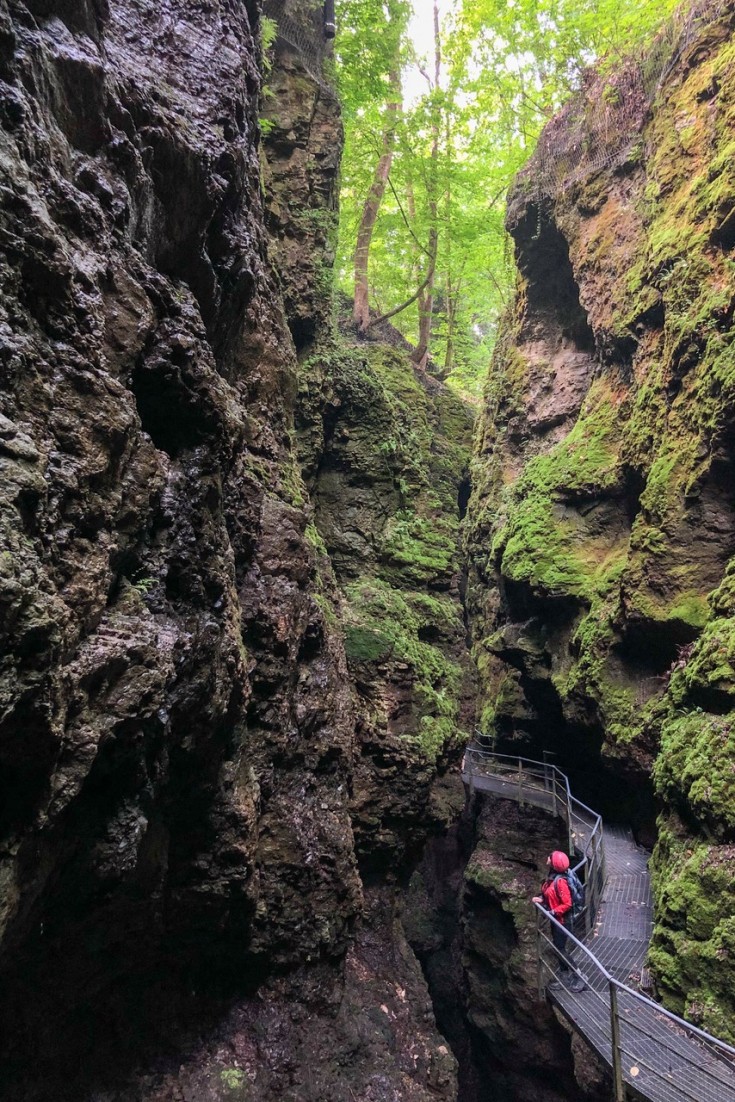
(682, 1023)
(624, 1028)
(591, 864)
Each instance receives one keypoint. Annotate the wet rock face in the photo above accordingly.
(301, 173)
(364, 1030)
(177, 711)
(603, 523)
(175, 724)
(385, 449)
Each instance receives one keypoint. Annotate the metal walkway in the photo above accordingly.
(653, 1055)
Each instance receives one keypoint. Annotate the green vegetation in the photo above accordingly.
(435, 168)
(384, 622)
(537, 545)
(694, 939)
(693, 770)
(236, 1084)
(386, 513)
(421, 548)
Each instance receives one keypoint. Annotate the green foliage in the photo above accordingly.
(144, 585)
(370, 42)
(268, 35)
(234, 1080)
(505, 70)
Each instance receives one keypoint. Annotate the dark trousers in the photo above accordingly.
(560, 942)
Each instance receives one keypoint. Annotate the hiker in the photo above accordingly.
(556, 897)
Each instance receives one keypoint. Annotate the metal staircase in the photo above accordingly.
(653, 1055)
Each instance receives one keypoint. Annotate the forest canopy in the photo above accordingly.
(425, 175)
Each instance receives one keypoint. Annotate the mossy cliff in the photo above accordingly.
(602, 525)
(384, 454)
(198, 709)
(385, 450)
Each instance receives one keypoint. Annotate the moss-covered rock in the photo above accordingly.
(385, 449)
(602, 530)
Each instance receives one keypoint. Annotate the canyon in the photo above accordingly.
(255, 576)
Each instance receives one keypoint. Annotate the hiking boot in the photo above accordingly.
(560, 981)
(578, 984)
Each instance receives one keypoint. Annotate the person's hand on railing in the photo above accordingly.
(537, 899)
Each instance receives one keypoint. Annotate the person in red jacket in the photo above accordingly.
(557, 899)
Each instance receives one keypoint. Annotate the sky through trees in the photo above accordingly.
(443, 102)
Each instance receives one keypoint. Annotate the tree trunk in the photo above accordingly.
(361, 310)
(426, 299)
(420, 355)
(451, 331)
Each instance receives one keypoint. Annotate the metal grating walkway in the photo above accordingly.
(655, 1056)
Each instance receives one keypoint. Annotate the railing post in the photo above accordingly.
(617, 1064)
(569, 819)
(520, 781)
(539, 960)
(547, 771)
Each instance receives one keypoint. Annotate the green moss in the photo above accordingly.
(722, 599)
(711, 665)
(499, 882)
(366, 644)
(694, 768)
(314, 538)
(506, 380)
(692, 952)
(420, 548)
(383, 623)
(326, 605)
(537, 551)
(291, 483)
(232, 1078)
(536, 545)
(691, 609)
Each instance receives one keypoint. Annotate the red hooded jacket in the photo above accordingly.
(557, 896)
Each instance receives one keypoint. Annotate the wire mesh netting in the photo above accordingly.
(599, 127)
(300, 25)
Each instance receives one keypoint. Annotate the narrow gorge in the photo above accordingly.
(262, 576)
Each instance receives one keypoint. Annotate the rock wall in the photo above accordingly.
(602, 527)
(182, 773)
(385, 451)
